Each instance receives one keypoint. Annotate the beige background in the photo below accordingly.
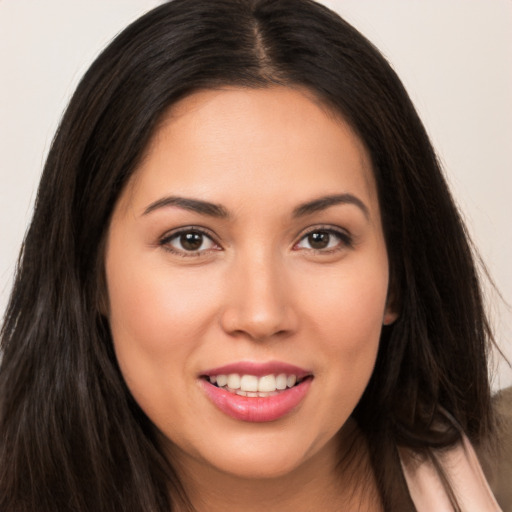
(454, 56)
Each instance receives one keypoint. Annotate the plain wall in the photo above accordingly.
(454, 57)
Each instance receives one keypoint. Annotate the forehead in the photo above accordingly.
(271, 141)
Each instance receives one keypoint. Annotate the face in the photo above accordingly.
(247, 278)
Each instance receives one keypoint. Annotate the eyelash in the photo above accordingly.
(166, 240)
(345, 241)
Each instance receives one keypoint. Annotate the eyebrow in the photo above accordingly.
(325, 202)
(194, 205)
(216, 210)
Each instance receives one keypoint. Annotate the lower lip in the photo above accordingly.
(257, 409)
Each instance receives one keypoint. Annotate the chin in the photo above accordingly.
(262, 466)
(264, 456)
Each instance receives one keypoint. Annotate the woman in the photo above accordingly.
(236, 289)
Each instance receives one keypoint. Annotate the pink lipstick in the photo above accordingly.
(256, 392)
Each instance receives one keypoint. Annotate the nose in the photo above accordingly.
(260, 303)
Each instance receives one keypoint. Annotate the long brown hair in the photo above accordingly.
(71, 435)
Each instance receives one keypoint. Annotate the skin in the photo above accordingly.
(255, 291)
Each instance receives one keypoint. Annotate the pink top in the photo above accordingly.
(465, 475)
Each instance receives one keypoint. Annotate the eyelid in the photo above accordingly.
(174, 233)
(346, 238)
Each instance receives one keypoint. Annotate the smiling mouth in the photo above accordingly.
(255, 392)
(253, 386)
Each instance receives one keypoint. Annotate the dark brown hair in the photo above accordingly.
(71, 435)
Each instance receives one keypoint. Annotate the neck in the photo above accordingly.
(338, 477)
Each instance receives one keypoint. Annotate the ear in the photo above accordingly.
(391, 311)
(390, 315)
(103, 305)
(102, 299)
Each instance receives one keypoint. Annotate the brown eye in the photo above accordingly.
(319, 239)
(189, 242)
(325, 240)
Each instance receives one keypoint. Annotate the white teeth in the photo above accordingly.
(291, 380)
(251, 385)
(233, 381)
(267, 383)
(272, 393)
(281, 381)
(222, 380)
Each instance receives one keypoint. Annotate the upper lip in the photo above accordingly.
(258, 369)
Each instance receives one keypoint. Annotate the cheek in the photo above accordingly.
(157, 319)
(347, 314)
(349, 308)
(156, 308)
